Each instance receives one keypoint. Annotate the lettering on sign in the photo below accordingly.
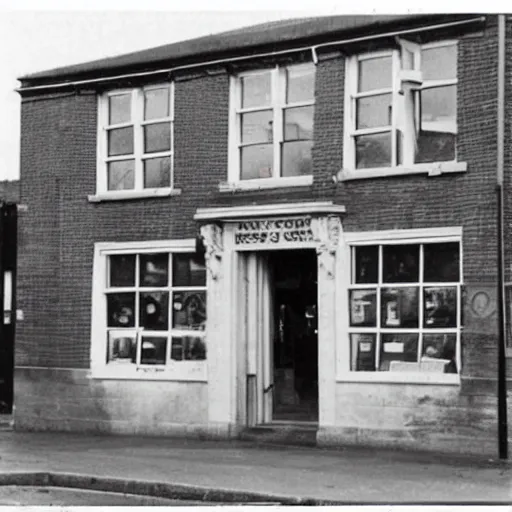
(274, 231)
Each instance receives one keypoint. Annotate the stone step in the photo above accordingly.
(292, 435)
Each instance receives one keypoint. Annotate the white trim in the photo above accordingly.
(240, 212)
(420, 235)
(183, 245)
(451, 379)
(265, 183)
(121, 195)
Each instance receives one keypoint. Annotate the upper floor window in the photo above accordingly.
(136, 139)
(272, 123)
(401, 106)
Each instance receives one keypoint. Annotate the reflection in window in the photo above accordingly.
(188, 348)
(366, 264)
(363, 308)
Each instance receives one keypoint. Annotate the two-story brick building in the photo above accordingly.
(294, 225)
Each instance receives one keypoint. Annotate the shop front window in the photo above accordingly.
(405, 307)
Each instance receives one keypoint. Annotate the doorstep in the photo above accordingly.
(6, 422)
(282, 433)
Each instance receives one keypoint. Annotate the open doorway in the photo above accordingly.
(295, 336)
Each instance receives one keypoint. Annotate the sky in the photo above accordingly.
(44, 34)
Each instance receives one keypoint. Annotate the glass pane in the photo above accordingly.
(189, 310)
(367, 264)
(122, 270)
(373, 111)
(298, 123)
(438, 133)
(153, 350)
(121, 175)
(401, 263)
(399, 307)
(362, 353)
(154, 269)
(363, 308)
(188, 270)
(157, 137)
(375, 73)
(119, 109)
(397, 349)
(120, 141)
(187, 348)
(256, 90)
(296, 158)
(157, 172)
(373, 150)
(122, 347)
(300, 83)
(441, 262)
(154, 311)
(439, 348)
(257, 127)
(439, 63)
(156, 103)
(257, 161)
(121, 309)
(440, 307)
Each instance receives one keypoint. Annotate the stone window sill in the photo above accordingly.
(266, 183)
(123, 195)
(449, 379)
(192, 371)
(435, 169)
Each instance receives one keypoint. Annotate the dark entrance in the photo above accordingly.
(295, 346)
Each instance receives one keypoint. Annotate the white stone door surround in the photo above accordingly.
(226, 231)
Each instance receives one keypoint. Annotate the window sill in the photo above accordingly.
(122, 195)
(266, 183)
(191, 371)
(435, 169)
(449, 379)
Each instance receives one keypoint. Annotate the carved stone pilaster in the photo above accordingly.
(327, 232)
(212, 239)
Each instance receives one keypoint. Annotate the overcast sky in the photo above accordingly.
(57, 35)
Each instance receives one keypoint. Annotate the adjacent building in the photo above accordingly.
(298, 224)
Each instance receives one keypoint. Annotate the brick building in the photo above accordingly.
(297, 226)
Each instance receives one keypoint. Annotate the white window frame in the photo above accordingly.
(278, 105)
(399, 237)
(405, 113)
(186, 370)
(138, 123)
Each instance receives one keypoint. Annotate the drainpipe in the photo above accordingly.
(502, 380)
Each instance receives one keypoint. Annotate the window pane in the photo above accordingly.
(153, 350)
(439, 348)
(375, 73)
(119, 109)
(121, 309)
(401, 263)
(296, 158)
(257, 127)
(122, 347)
(298, 123)
(188, 270)
(157, 172)
(399, 307)
(156, 103)
(440, 307)
(120, 141)
(363, 308)
(362, 354)
(300, 82)
(441, 262)
(438, 132)
(122, 270)
(154, 311)
(121, 175)
(157, 137)
(189, 310)
(367, 264)
(373, 111)
(154, 269)
(186, 348)
(256, 90)
(373, 150)
(439, 63)
(257, 161)
(397, 349)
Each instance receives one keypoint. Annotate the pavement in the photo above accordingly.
(245, 472)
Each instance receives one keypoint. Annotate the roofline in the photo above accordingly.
(311, 48)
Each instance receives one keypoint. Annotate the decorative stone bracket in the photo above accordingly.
(327, 232)
(212, 239)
